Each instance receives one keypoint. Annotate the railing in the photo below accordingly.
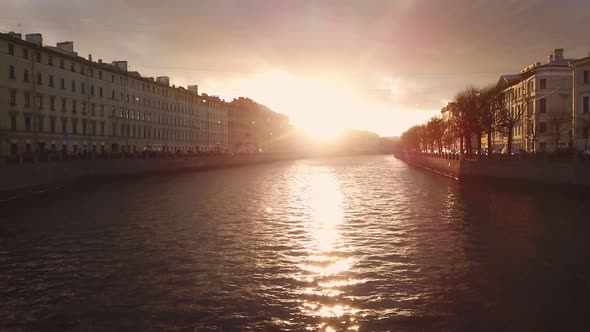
(565, 155)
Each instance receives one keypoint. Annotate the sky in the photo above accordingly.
(374, 65)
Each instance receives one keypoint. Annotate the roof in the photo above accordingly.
(580, 61)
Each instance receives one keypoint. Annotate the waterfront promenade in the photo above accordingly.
(568, 172)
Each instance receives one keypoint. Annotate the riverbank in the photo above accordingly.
(22, 180)
(562, 173)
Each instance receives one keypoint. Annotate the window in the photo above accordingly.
(73, 67)
(101, 110)
(83, 87)
(91, 72)
(13, 122)
(73, 86)
(50, 60)
(112, 78)
(74, 105)
(51, 81)
(100, 92)
(40, 125)
(92, 90)
(113, 95)
(100, 74)
(542, 105)
(52, 103)
(102, 129)
(11, 72)
(542, 127)
(39, 78)
(40, 101)
(586, 76)
(61, 63)
(92, 109)
(26, 76)
(585, 104)
(62, 83)
(27, 99)
(64, 125)
(27, 123)
(38, 57)
(84, 126)
(10, 49)
(74, 126)
(83, 107)
(25, 53)
(82, 70)
(12, 97)
(543, 83)
(52, 125)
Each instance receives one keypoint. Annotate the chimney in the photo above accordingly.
(66, 46)
(163, 80)
(90, 57)
(15, 35)
(121, 65)
(193, 88)
(550, 58)
(558, 54)
(35, 38)
(99, 60)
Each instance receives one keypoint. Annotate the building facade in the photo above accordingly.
(581, 103)
(539, 97)
(255, 128)
(54, 101)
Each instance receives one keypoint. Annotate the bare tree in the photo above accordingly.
(509, 115)
(559, 124)
(487, 116)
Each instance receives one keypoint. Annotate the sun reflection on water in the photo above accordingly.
(325, 268)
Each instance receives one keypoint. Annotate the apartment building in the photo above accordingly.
(53, 100)
(539, 97)
(255, 128)
(581, 103)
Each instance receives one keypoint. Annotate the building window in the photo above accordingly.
(39, 78)
(542, 105)
(27, 99)
(113, 95)
(26, 76)
(83, 107)
(83, 87)
(72, 67)
(63, 104)
(50, 60)
(542, 127)
(82, 70)
(62, 83)
(100, 74)
(38, 56)
(74, 126)
(10, 49)
(73, 86)
(52, 103)
(11, 72)
(112, 78)
(27, 123)
(40, 125)
(92, 109)
(12, 97)
(52, 125)
(543, 83)
(84, 125)
(40, 101)
(585, 104)
(92, 90)
(74, 105)
(102, 129)
(101, 110)
(25, 53)
(61, 63)
(64, 125)
(51, 81)
(100, 92)
(586, 76)
(13, 122)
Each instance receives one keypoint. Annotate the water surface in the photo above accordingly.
(359, 243)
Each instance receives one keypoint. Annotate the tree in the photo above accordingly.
(487, 116)
(559, 123)
(435, 129)
(509, 115)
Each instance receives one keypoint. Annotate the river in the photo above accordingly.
(356, 243)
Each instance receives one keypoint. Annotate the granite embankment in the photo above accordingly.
(569, 173)
(20, 180)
